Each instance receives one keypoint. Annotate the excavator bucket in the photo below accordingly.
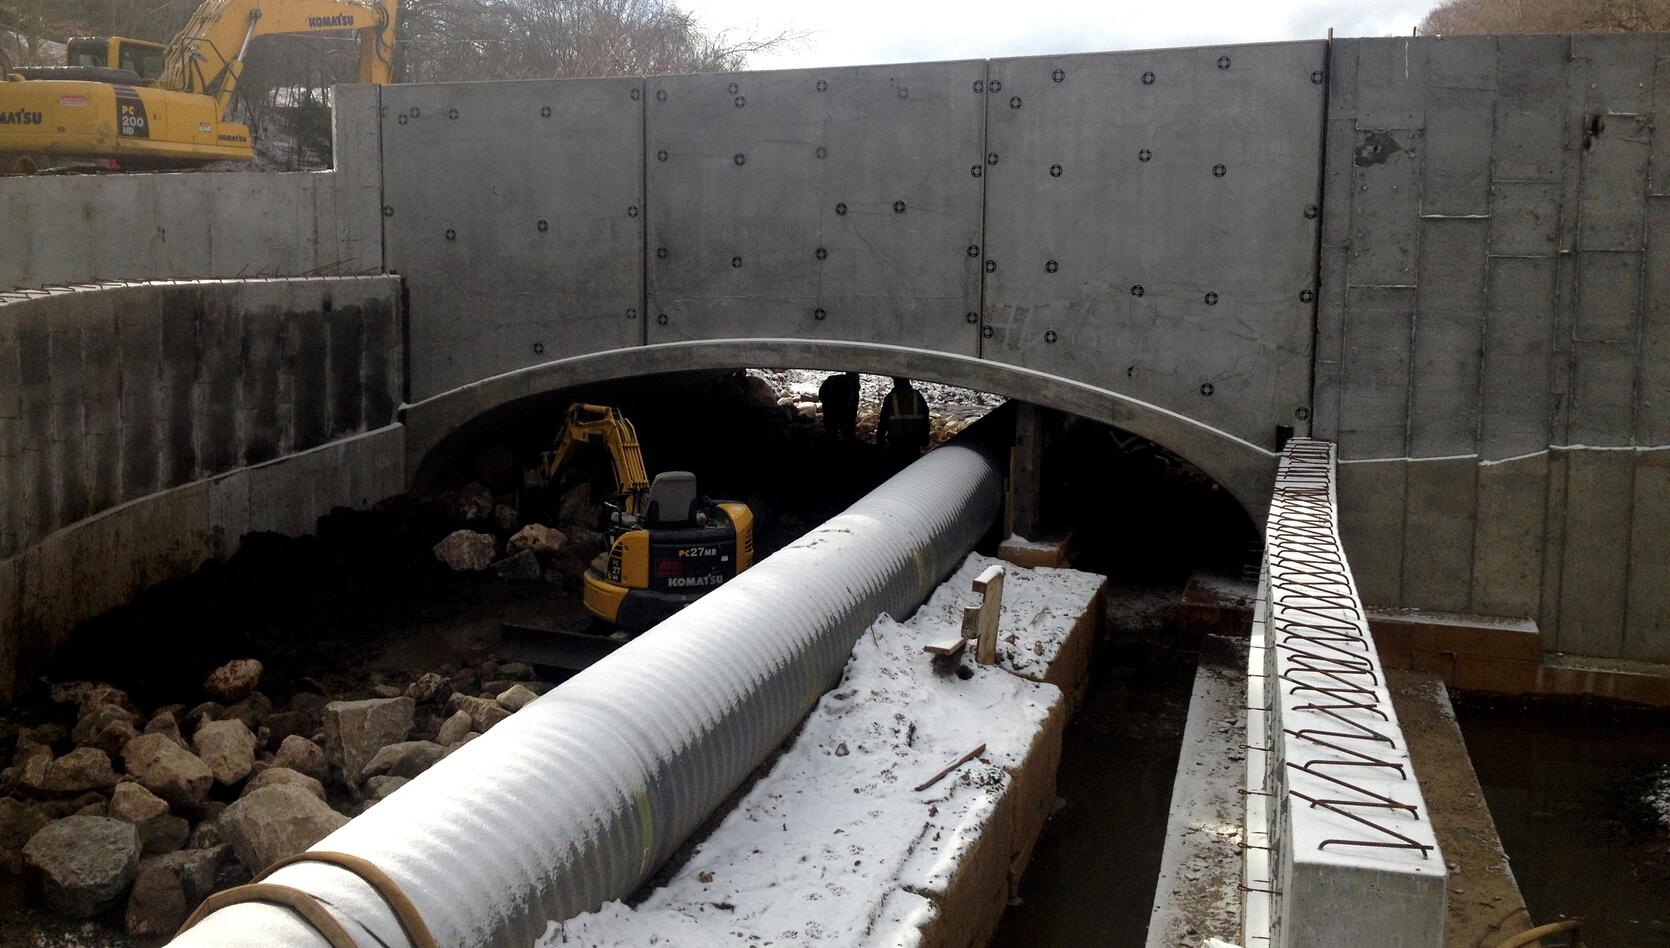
(573, 647)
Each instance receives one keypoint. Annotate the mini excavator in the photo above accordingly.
(668, 544)
(123, 104)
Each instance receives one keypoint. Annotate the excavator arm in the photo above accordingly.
(600, 424)
(207, 56)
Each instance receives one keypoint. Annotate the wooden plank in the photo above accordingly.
(980, 622)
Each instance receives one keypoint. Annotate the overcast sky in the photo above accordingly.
(855, 32)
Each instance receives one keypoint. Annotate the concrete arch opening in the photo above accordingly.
(436, 424)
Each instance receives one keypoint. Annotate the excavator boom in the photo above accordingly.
(600, 424)
(180, 117)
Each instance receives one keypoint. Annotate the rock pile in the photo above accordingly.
(116, 809)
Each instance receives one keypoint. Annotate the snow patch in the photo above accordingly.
(834, 846)
(1658, 797)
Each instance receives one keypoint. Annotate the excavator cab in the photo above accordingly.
(143, 59)
(680, 548)
(669, 545)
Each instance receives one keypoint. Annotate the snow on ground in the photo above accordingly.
(947, 401)
(1658, 797)
(832, 846)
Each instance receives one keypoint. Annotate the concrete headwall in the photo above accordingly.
(1493, 344)
(1143, 223)
(145, 429)
(83, 228)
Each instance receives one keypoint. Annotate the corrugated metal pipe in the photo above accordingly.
(580, 796)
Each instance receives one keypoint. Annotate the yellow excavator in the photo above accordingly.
(125, 104)
(668, 544)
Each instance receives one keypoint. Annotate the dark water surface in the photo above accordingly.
(1567, 782)
(1091, 881)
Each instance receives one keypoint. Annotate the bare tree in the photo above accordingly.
(1455, 17)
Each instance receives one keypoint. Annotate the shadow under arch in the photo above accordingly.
(1244, 469)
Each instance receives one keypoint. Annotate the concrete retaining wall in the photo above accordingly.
(1493, 345)
(81, 228)
(147, 428)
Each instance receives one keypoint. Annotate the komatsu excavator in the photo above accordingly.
(668, 544)
(125, 104)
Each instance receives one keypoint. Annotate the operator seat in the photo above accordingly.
(673, 499)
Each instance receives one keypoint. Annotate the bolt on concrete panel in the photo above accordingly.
(1151, 226)
(514, 211)
(821, 203)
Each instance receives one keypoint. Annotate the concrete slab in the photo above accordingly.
(1508, 537)
(1083, 148)
(1197, 894)
(1441, 507)
(515, 215)
(1485, 905)
(1595, 565)
(836, 203)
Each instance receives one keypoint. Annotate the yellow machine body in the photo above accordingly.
(128, 112)
(99, 121)
(659, 560)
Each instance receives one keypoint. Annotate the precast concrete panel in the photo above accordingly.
(1647, 624)
(820, 203)
(1594, 586)
(1151, 226)
(1508, 537)
(514, 212)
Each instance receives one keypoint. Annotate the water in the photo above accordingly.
(1091, 881)
(1567, 783)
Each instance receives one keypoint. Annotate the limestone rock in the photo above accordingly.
(516, 671)
(168, 770)
(379, 787)
(132, 803)
(505, 516)
(159, 831)
(310, 704)
(167, 725)
(454, 728)
(471, 503)
(110, 735)
(301, 755)
(429, 687)
(207, 711)
(31, 764)
(405, 759)
(576, 506)
(87, 695)
(205, 835)
(168, 886)
(227, 747)
(253, 710)
(234, 681)
(274, 822)
(195, 868)
(387, 691)
(535, 538)
(157, 905)
(164, 835)
(282, 724)
(466, 550)
(82, 769)
(516, 698)
(97, 720)
(18, 822)
(356, 730)
(483, 712)
(274, 776)
(83, 863)
(522, 567)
